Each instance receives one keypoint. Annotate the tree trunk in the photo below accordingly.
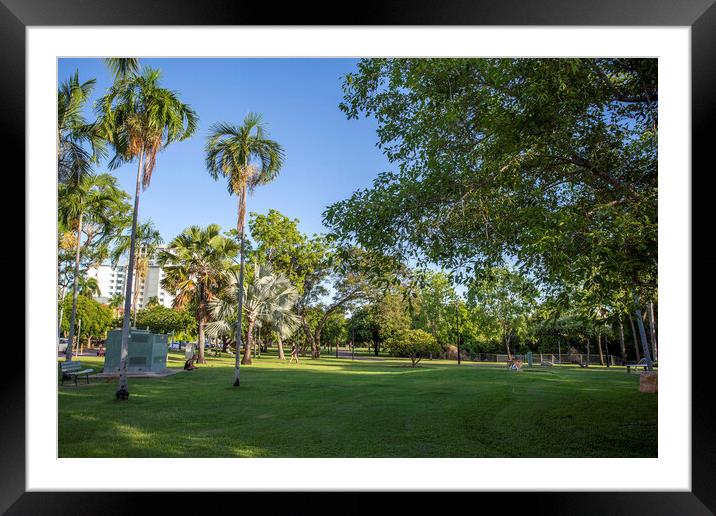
(201, 318)
(240, 293)
(599, 347)
(642, 334)
(224, 344)
(652, 329)
(507, 346)
(621, 341)
(79, 333)
(201, 339)
(75, 291)
(317, 343)
(633, 333)
(588, 350)
(135, 296)
(559, 350)
(281, 355)
(606, 348)
(122, 391)
(249, 342)
(309, 334)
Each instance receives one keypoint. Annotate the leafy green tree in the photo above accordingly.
(387, 315)
(94, 206)
(195, 264)
(549, 163)
(247, 158)
(280, 244)
(415, 344)
(436, 309)
(139, 119)
(506, 299)
(96, 318)
(362, 325)
(115, 303)
(336, 328)
(312, 265)
(161, 319)
(345, 271)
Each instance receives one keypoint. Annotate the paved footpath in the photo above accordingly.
(346, 353)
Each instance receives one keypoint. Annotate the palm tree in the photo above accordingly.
(147, 240)
(139, 119)
(270, 298)
(283, 320)
(195, 266)
(74, 133)
(122, 67)
(247, 159)
(89, 287)
(90, 197)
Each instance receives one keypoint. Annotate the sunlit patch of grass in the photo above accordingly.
(362, 408)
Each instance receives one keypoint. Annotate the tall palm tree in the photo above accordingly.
(74, 133)
(147, 240)
(270, 298)
(122, 67)
(90, 197)
(247, 158)
(139, 119)
(195, 265)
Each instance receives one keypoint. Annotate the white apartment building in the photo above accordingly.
(112, 281)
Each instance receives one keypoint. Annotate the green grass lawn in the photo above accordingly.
(364, 408)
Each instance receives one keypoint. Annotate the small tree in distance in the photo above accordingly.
(415, 344)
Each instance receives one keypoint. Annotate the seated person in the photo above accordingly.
(189, 364)
(515, 364)
(100, 351)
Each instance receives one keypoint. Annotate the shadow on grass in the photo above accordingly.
(365, 409)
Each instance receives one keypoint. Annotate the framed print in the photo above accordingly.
(421, 251)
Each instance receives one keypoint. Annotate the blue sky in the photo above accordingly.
(327, 156)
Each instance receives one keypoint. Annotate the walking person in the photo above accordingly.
(294, 354)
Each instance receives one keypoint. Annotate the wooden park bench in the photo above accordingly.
(637, 365)
(73, 369)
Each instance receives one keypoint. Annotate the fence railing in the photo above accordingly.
(553, 358)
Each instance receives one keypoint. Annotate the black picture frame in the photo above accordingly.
(700, 15)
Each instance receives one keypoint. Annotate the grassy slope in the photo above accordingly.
(339, 408)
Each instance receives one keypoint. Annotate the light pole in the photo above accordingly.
(62, 309)
(79, 330)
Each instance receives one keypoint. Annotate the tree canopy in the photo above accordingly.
(548, 163)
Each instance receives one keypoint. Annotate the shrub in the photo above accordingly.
(414, 344)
